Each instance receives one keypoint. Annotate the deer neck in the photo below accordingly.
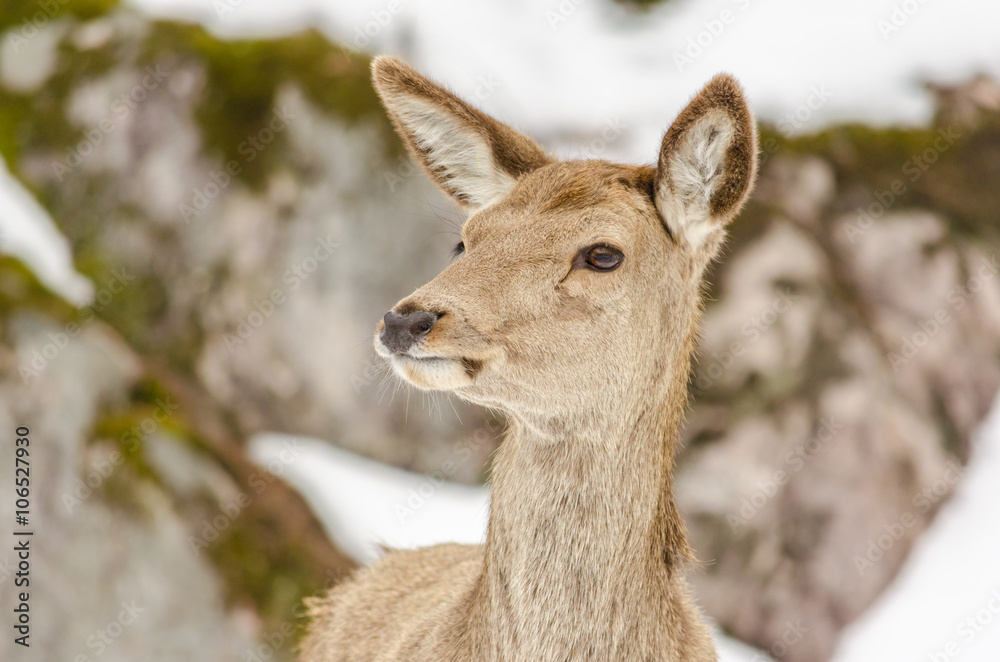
(583, 532)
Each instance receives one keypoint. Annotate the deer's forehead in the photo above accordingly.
(566, 201)
(529, 227)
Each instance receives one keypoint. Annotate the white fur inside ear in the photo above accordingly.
(696, 168)
(454, 150)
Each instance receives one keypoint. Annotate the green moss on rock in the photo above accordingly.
(244, 76)
(20, 290)
(26, 15)
(237, 105)
(950, 169)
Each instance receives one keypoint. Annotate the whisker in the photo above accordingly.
(451, 402)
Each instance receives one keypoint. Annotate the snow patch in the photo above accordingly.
(944, 605)
(28, 233)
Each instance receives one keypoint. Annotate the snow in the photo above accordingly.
(364, 504)
(27, 232)
(564, 68)
(952, 575)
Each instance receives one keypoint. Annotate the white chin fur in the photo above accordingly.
(436, 374)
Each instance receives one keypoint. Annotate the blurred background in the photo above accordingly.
(204, 212)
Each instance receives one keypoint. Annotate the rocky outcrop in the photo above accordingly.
(106, 571)
(154, 537)
(850, 349)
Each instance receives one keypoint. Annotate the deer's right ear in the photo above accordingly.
(468, 154)
(707, 164)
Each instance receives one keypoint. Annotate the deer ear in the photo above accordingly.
(707, 164)
(471, 156)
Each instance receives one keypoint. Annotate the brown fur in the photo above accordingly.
(586, 554)
(741, 158)
(515, 153)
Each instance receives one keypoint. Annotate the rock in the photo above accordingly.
(845, 362)
(107, 574)
(139, 518)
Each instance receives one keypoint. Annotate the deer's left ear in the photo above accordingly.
(707, 164)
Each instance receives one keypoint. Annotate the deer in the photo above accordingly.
(571, 306)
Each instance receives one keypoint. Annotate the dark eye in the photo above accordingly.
(603, 257)
(458, 249)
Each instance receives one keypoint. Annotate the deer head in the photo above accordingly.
(577, 283)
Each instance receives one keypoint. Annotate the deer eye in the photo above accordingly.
(603, 257)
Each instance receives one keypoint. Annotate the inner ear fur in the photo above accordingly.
(723, 108)
(471, 156)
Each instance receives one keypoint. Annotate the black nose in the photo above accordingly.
(401, 332)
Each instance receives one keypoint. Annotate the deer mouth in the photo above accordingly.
(435, 373)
